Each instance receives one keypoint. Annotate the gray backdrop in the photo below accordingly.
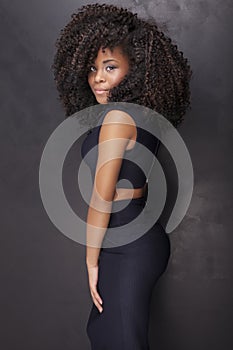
(44, 295)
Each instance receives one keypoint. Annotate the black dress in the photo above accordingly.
(127, 273)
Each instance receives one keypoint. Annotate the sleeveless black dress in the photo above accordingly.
(127, 273)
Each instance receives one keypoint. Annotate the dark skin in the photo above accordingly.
(149, 84)
(159, 75)
(108, 70)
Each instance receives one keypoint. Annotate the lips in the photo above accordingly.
(100, 91)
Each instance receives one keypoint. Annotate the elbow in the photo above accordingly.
(102, 201)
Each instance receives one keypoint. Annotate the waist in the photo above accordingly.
(128, 193)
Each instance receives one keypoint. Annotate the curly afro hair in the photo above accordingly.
(158, 77)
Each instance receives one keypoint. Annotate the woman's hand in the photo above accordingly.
(93, 279)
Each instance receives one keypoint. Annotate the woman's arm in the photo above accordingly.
(115, 133)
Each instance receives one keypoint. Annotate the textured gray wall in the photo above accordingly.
(44, 292)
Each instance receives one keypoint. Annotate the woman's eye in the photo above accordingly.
(108, 68)
(111, 67)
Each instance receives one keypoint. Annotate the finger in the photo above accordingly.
(96, 295)
(99, 307)
(98, 298)
(97, 304)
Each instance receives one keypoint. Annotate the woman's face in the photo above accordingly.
(108, 70)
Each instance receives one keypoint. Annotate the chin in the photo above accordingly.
(102, 101)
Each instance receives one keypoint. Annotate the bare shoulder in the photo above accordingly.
(118, 116)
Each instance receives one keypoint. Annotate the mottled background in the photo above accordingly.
(44, 292)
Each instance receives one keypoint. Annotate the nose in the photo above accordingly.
(99, 76)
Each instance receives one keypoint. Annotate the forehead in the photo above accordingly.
(106, 53)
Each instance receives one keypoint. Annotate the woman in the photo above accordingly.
(106, 54)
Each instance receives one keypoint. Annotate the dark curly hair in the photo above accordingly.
(158, 77)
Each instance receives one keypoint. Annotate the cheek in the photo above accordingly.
(117, 78)
(120, 77)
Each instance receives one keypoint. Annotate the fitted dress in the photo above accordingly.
(127, 272)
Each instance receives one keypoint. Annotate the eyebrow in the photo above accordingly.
(112, 59)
